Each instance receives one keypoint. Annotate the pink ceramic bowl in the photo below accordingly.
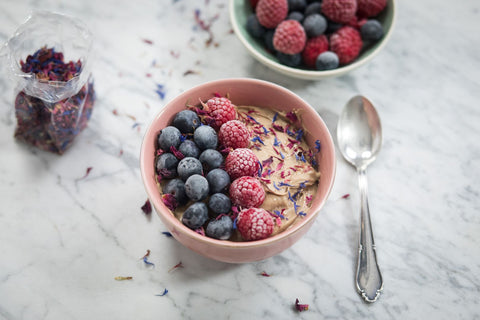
(241, 92)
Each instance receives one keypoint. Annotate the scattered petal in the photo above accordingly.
(123, 278)
(162, 294)
(300, 307)
(147, 207)
(178, 265)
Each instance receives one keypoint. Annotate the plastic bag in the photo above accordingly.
(49, 59)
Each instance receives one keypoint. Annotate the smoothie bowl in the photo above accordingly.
(238, 169)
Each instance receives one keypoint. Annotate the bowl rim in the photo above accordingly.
(151, 187)
(309, 74)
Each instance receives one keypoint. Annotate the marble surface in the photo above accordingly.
(64, 238)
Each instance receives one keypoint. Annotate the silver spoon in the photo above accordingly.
(359, 135)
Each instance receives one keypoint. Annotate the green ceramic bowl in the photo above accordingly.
(240, 10)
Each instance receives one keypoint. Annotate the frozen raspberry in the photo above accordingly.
(253, 3)
(339, 10)
(254, 224)
(346, 43)
(370, 8)
(314, 47)
(247, 192)
(241, 162)
(271, 12)
(234, 134)
(289, 37)
(220, 110)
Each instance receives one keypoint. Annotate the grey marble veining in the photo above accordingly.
(64, 238)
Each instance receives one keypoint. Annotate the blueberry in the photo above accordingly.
(211, 159)
(176, 187)
(297, 5)
(218, 180)
(195, 215)
(327, 60)
(291, 60)
(219, 203)
(189, 149)
(371, 30)
(315, 7)
(205, 137)
(268, 39)
(333, 26)
(167, 165)
(186, 121)
(169, 136)
(295, 15)
(221, 228)
(189, 166)
(196, 187)
(254, 27)
(314, 25)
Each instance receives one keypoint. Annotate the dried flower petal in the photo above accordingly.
(264, 274)
(147, 207)
(162, 294)
(300, 307)
(178, 265)
(119, 278)
(169, 201)
(167, 234)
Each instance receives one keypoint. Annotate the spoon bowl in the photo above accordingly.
(359, 136)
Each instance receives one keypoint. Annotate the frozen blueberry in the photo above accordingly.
(189, 149)
(295, 15)
(169, 136)
(186, 121)
(221, 228)
(195, 215)
(167, 165)
(268, 39)
(333, 26)
(211, 159)
(189, 166)
(297, 5)
(291, 60)
(315, 7)
(205, 137)
(196, 187)
(176, 187)
(371, 30)
(218, 180)
(219, 203)
(254, 27)
(314, 25)
(327, 60)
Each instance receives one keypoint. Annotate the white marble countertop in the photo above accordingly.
(64, 239)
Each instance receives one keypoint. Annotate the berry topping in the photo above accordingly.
(254, 224)
(371, 30)
(234, 134)
(346, 43)
(339, 10)
(254, 27)
(271, 12)
(189, 149)
(327, 60)
(219, 203)
(315, 7)
(167, 165)
(186, 121)
(211, 159)
(247, 192)
(218, 180)
(315, 25)
(196, 187)
(370, 8)
(291, 60)
(176, 187)
(241, 162)
(205, 137)
(195, 215)
(220, 228)
(295, 15)
(189, 166)
(168, 137)
(313, 48)
(220, 110)
(297, 5)
(289, 37)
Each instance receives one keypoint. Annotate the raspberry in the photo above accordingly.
(271, 12)
(253, 3)
(289, 37)
(346, 43)
(370, 8)
(247, 192)
(339, 10)
(241, 162)
(220, 110)
(254, 224)
(233, 134)
(313, 48)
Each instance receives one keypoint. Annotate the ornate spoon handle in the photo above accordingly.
(368, 278)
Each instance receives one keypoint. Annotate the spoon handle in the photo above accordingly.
(368, 278)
